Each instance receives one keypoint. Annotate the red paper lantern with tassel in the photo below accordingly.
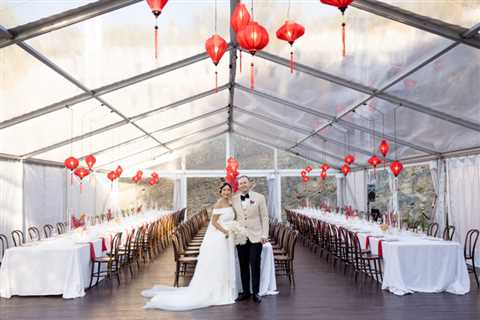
(396, 167)
(81, 172)
(252, 38)
(119, 171)
(139, 174)
(90, 161)
(71, 163)
(384, 147)
(325, 167)
(349, 159)
(342, 5)
(154, 174)
(239, 20)
(216, 47)
(156, 6)
(112, 175)
(323, 174)
(290, 31)
(345, 169)
(374, 161)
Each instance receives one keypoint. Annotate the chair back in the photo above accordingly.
(448, 233)
(34, 234)
(48, 230)
(292, 240)
(18, 238)
(3, 246)
(470, 243)
(432, 229)
(61, 228)
(116, 242)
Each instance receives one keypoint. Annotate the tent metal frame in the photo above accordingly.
(458, 34)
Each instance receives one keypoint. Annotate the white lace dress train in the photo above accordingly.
(214, 279)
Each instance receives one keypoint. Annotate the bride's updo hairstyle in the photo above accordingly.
(224, 185)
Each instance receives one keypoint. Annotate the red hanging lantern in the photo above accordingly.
(349, 159)
(119, 171)
(290, 31)
(252, 38)
(342, 5)
(374, 161)
(232, 163)
(308, 169)
(153, 181)
(303, 173)
(305, 178)
(384, 147)
(71, 163)
(216, 47)
(239, 20)
(396, 167)
(112, 175)
(345, 169)
(81, 172)
(139, 174)
(135, 179)
(90, 161)
(323, 174)
(156, 6)
(325, 167)
(154, 174)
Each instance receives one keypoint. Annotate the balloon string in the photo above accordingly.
(252, 76)
(156, 39)
(343, 40)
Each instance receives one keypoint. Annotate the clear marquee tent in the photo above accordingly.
(80, 77)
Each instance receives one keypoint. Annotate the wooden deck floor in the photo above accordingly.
(321, 293)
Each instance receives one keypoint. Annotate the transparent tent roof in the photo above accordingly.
(80, 77)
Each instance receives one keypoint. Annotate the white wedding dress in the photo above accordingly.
(214, 280)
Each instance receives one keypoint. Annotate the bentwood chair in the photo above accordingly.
(61, 228)
(432, 229)
(48, 230)
(112, 262)
(448, 233)
(469, 251)
(18, 238)
(3, 246)
(34, 234)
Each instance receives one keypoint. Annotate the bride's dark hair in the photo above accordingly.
(224, 185)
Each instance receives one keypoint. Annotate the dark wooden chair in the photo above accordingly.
(432, 229)
(18, 238)
(363, 261)
(3, 246)
(34, 234)
(284, 263)
(48, 230)
(61, 228)
(111, 260)
(469, 251)
(448, 233)
(185, 265)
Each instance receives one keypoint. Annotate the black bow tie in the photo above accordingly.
(243, 197)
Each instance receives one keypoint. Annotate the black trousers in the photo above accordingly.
(249, 257)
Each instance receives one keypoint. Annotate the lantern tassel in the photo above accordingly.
(216, 81)
(252, 76)
(343, 40)
(156, 39)
(81, 186)
(240, 61)
(291, 62)
(71, 178)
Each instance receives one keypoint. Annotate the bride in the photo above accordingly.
(214, 281)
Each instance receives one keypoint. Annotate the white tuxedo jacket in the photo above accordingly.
(253, 216)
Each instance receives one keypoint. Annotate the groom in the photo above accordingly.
(251, 213)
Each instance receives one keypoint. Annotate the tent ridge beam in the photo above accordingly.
(63, 19)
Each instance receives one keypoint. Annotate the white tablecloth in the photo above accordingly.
(268, 282)
(412, 262)
(61, 265)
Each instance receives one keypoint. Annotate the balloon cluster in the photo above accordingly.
(232, 173)
(304, 173)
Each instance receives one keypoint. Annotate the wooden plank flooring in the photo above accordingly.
(321, 293)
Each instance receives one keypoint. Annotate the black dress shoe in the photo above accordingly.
(242, 297)
(257, 298)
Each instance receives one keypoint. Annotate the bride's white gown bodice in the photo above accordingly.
(214, 280)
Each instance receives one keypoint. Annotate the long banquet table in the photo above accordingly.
(62, 264)
(412, 262)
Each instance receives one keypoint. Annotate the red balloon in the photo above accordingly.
(157, 6)
(374, 161)
(90, 161)
(323, 175)
(81, 172)
(119, 171)
(396, 167)
(325, 167)
(71, 163)
(384, 147)
(340, 4)
(349, 159)
(253, 37)
(240, 17)
(290, 31)
(345, 169)
(216, 47)
(112, 175)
